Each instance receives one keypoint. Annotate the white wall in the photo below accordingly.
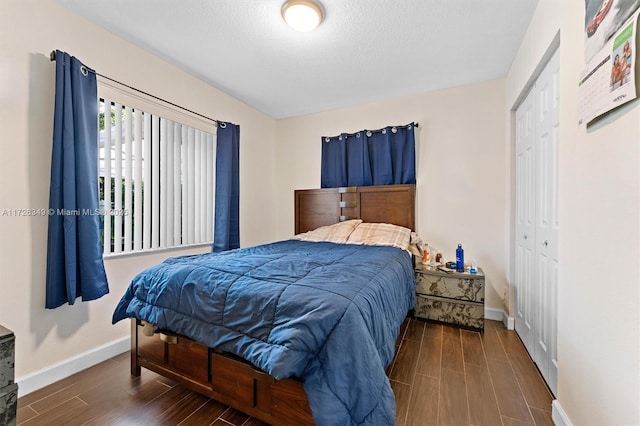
(29, 31)
(599, 201)
(461, 168)
(464, 195)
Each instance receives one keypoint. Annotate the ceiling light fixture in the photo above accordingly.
(302, 15)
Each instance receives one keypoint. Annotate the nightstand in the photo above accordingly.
(452, 298)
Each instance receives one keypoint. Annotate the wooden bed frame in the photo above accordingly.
(228, 378)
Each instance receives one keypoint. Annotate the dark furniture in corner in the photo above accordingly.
(8, 388)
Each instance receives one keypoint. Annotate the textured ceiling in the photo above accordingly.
(365, 50)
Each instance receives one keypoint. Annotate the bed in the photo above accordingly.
(295, 332)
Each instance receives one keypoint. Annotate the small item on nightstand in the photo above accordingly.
(459, 258)
(439, 258)
(425, 256)
(474, 267)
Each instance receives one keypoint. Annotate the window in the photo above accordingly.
(157, 179)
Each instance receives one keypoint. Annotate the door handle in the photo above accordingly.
(545, 243)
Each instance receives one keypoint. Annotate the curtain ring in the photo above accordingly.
(394, 129)
(84, 70)
(327, 140)
(384, 131)
(369, 133)
(223, 125)
(409, 127)
(358, 135)
(340, 137)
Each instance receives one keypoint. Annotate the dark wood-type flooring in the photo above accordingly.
(441, 375)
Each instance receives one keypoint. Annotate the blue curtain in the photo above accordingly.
(333, 172)
(227, 216)
(74, 248)
(376, 157)
(393, 155)
(359, 167)
(381, 158)
(403, 154)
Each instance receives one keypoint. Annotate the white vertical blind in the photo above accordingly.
(167, 184)
(117, 186)
(211, 164)
(164, 135)
(184, 183)
(197, 187)
(106, 170)
(155, 182)
(146, 220)
(162, 174)
(137, 179)
(128, 196)
(190, 211)
(177, 182)
(203, 187)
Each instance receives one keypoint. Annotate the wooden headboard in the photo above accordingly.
(384, 203)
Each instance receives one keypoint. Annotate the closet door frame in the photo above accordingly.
(535, 238)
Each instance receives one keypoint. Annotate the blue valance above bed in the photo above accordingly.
(369, 157)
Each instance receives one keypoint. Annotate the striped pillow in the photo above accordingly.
(381, 234)
(336, 233)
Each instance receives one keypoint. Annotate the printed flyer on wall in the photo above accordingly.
(608, 79)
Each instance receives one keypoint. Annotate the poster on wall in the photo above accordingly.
(608, 79)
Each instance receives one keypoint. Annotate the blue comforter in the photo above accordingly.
(327, 313)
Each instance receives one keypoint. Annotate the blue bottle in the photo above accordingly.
(459, 259)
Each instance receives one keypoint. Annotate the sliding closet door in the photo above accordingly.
(546, 147)
(536, 210)
(525, 221)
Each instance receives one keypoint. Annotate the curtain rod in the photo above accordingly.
(327, 138)
(52, 57)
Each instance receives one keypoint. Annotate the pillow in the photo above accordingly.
(381, 234)
(336, 233)
(416, 245)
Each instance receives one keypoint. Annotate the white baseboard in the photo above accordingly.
(58, 371)
(509, 322)
(499, 315)
(558, 415)
(493, 314)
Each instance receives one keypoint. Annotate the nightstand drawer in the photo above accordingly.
(451, 311)
(7, 357)
(453, 287)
